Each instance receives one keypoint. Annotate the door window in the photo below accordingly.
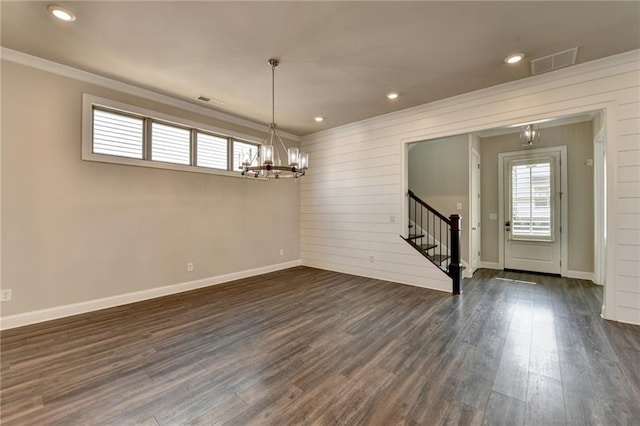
(531, 199)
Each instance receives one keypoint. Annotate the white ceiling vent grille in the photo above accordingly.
(554, 62)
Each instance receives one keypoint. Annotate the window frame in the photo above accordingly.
(89, 102)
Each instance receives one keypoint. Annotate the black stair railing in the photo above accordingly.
(436, 237)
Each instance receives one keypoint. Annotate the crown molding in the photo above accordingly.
(91, 78)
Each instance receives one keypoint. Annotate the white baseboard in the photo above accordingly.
(19, 320)
(589, 276)
(467, 273)
(490, 265)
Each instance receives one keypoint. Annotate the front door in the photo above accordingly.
(532, 212)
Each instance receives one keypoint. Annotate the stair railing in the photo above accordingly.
(436, 237)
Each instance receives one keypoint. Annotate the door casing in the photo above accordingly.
(475, 211)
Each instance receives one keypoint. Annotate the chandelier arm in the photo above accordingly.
(279, 139)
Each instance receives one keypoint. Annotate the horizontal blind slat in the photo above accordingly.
(211, 151)
(117, 134)
(170, 144)
(531, 199)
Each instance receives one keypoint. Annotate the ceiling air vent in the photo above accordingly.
(554, 62)
(204, 98)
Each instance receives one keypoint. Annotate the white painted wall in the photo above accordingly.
(359, 174)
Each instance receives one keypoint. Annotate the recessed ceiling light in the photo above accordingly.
(392, 95)
(318, 119)
(61, 13)
(515, 58)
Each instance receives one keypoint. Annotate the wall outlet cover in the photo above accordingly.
(5, 295)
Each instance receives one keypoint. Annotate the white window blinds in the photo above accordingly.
(117, 134)
(212, 151)
(170, 144)
(531, 200)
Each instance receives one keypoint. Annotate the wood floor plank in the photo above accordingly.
(545, 405)
(307, 346)
(504, 410)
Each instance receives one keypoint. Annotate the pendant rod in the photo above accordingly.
(274, 63)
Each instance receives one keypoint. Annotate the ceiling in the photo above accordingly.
(338, 59)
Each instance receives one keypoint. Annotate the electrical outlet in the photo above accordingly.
(190, 267)
(281, 252)
(5, 295)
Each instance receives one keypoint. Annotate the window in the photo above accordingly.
(114, 132)
(170, 144)
(117, 134)
(531, 200)
(243, 150)
(212, 151)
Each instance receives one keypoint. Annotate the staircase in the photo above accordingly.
(436, 237)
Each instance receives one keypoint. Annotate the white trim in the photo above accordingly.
(472, 200)
(490, 265)
(466, 273)
(599, 170)
(610, 304)
(91, 78)
(19, 320)
(564, 202)
(581, 275)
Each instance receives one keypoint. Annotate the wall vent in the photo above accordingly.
(554, 62)
(204, 98)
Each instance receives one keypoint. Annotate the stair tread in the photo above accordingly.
(438, 258)
(414, 236)
(426, 247)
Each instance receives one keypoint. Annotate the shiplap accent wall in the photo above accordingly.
(358, 177)
(351, 215)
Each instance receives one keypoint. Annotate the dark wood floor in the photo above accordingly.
(305, 346)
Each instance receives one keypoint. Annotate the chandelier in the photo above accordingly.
(529, 135)
(271, 166)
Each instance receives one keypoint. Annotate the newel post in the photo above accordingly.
(455, 268)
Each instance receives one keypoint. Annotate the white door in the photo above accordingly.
(532, 212)
(475, 211)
